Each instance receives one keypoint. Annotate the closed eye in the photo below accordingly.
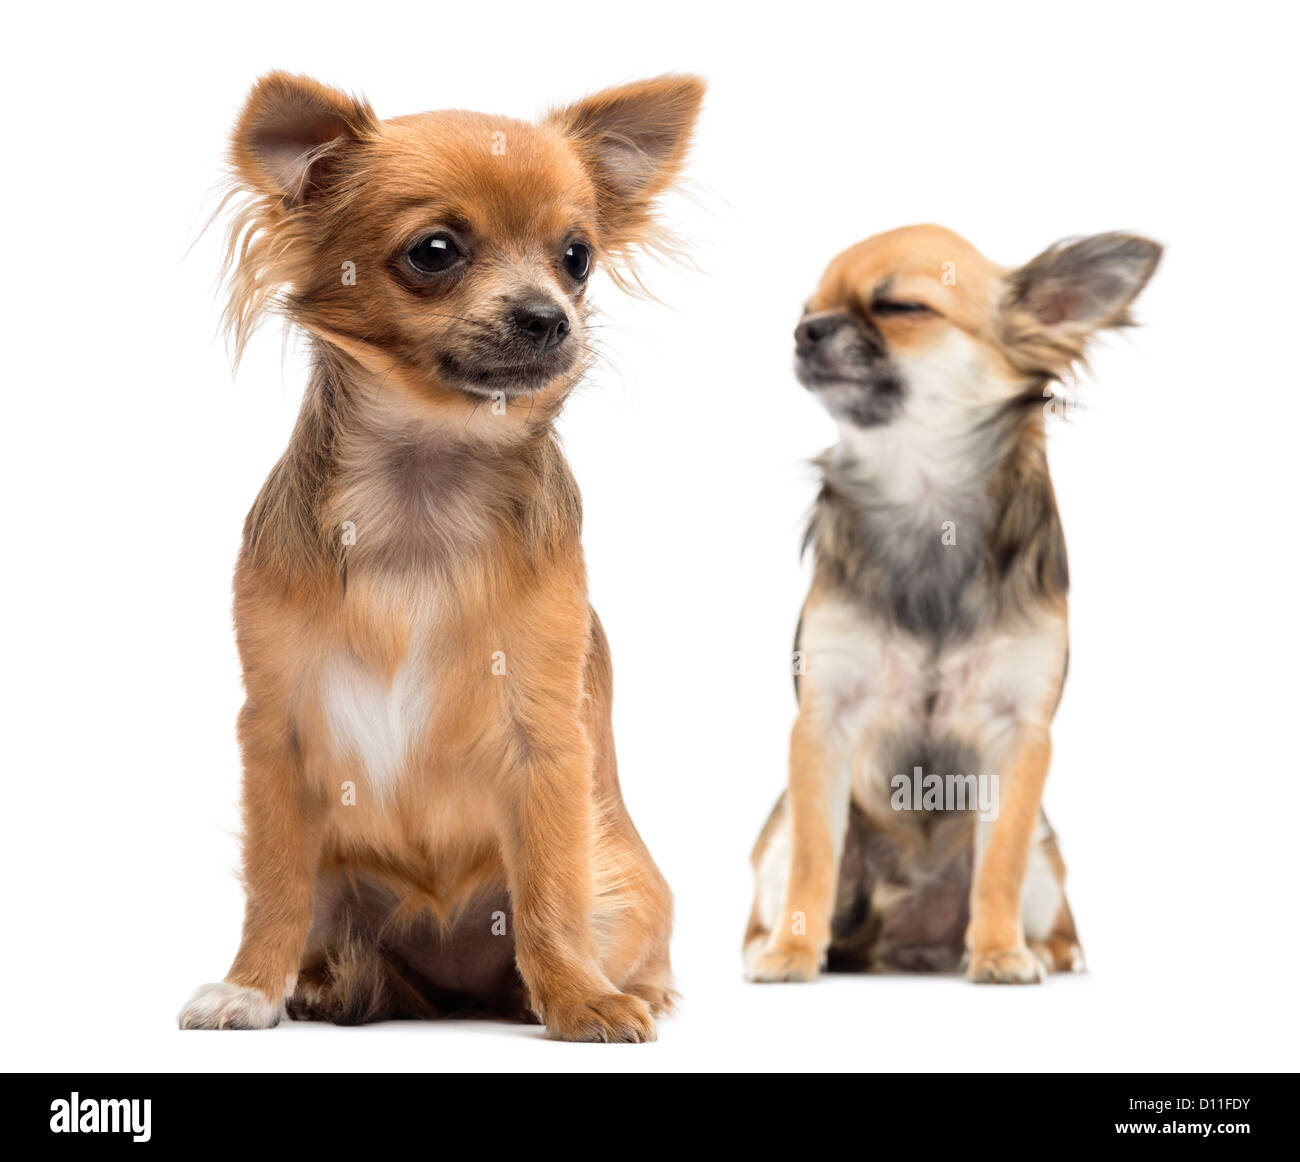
(898, 307)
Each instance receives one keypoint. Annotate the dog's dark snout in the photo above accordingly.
(542, 322)
(816, 329)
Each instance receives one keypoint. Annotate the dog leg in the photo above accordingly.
(281, 849)
(818, 805)
(633, 920)
(995, 937)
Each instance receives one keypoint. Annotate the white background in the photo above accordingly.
(130, 457)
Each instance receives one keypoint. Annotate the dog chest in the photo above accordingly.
(373, 718)
(872, 684)
(378, 684)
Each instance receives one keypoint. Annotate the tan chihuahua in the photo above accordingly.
(932, 648)
(432, 813)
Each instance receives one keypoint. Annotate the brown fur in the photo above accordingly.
(412, 528)
(914, 338)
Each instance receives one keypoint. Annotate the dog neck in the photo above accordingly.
(376, 479)
(927, 464)
(912, 512)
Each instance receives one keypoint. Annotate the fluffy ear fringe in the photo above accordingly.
(634, 140)
(264, 259)
(283, 157)
(1056, 303)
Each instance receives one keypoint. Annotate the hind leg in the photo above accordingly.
(1049, 924)
(771, 862)
(371, 959)
(652, 980)
(344, 977)
(633, 914)
(359, 981)
(634, 920)
(353, 983)
(1059, 952)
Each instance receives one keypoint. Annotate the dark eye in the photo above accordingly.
(577, 261)
(434, 254)
(890, 307)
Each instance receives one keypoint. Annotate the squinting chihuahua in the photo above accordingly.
(932, 647)
(432, 815)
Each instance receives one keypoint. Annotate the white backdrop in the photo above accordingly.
(131, 457)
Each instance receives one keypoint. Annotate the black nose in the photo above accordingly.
(542, 322)
(815, 329)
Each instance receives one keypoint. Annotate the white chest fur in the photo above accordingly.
(404, 489)
(375, 720)
(867, 682)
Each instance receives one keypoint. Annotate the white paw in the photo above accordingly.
(228, 1006)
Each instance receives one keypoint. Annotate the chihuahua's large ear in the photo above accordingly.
(291, 133)
(633, 140)
(1058, 301)
(288, 145)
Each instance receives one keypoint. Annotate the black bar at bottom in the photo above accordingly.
(597, 1111)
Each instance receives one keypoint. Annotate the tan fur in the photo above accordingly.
(794, 950)
(995, 938)
(463, 584)
(980, 674)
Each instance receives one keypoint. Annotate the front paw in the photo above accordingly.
(229, 1006)
(1016, 965)
(785, 964)
(613, 1017)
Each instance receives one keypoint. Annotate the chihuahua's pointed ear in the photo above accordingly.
(1058, 301)
(633, 140)
(292, 133)
(286, 151)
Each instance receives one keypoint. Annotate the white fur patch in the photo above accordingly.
(995, 686)
(861, 676)
(773, 875)
(1041, 896)
(867, 681)
(228, 1006)
(922, 458)
(376, 720)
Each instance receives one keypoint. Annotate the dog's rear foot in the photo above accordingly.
(1058, 954)
(658, 995)
(615, 1017)
(229, 1006)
